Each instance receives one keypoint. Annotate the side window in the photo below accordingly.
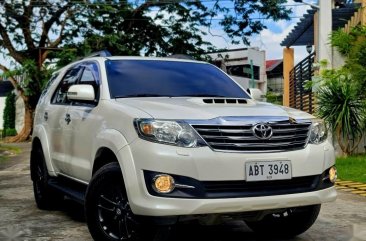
(49, 83)
(70, 78)
(87, 77)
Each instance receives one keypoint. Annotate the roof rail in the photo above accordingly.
(102, 53)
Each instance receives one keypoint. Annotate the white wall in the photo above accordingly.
(243, 82)
(19, 114)
(2, 106)
(338, 59)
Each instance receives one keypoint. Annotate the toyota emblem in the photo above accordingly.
(262, 131)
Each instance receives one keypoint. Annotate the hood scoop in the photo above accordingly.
(224, 101)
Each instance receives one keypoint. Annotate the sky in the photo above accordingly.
(268, 40)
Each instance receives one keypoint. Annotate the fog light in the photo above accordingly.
(333, 174)
(163, 183)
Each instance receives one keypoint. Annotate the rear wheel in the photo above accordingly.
(286, 224)
(46, 198)
(108, 213)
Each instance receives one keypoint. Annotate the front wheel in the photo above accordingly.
(108, 213)
(286, 224)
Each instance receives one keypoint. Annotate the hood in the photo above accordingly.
(206, 108)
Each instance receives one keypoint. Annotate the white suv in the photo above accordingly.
(143, 141)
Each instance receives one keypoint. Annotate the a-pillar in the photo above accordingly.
(288, 65)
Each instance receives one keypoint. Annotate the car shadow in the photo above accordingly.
(73, 209)
(229, 231)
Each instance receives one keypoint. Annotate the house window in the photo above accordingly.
(244, 71)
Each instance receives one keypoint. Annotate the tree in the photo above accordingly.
(30, 29)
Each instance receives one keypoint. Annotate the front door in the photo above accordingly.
(80, 134)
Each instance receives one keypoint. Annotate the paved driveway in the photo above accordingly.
(342, 220)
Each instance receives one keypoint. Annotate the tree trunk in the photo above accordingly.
(26, 131)
(340, 139)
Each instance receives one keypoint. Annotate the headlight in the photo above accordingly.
(318, 132)
(168, 132)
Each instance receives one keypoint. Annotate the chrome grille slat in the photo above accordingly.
(286, 136)
(228, 131)
(274, 137)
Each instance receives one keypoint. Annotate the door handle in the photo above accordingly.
(67, 118)
(45, 116)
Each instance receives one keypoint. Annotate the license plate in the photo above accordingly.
(268, 170)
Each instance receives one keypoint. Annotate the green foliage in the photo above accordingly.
(353, 46)
(342, 107)
(9, 114)
(343, 41)
(10, 132)
(274, 98)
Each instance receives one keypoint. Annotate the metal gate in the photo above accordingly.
(301, 95)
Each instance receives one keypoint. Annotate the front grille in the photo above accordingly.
(286, 136)
(215, 189)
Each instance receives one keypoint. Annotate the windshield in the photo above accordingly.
(151, 78)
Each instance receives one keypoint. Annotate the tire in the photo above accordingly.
(287, 224)
(108, 213)
(46, 198)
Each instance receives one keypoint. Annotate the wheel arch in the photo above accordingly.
(40, 139)
(107, 145)
(103, 157)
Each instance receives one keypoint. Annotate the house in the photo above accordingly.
(274, 71)
(246, 65)
(5, 88)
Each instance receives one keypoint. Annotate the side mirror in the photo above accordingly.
(81, 93)
(256, 94)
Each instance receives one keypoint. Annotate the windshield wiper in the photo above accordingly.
(140, 95)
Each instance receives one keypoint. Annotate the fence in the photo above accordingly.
(301, 95)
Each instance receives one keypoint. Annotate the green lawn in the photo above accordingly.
(352, 168)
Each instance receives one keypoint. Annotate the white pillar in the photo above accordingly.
(324, 51)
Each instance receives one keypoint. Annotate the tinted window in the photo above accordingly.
(49, 83)
(140, 78)
(87, 76)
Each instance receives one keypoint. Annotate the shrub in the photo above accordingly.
(340, 104)
(10, 132)
(9, 114)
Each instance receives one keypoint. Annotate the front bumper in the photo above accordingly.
(203, 164)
